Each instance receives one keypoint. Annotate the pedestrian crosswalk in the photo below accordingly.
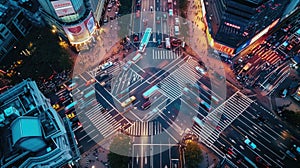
(102, 120)
(219, 119)
(115, 69)
(165, 54)
(144, 128)
(176, 81)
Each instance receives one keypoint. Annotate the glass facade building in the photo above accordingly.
(234, 24)
(71, 19)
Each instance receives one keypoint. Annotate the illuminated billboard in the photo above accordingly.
(90, 23)
(263, 32)
(77, 33)
(241, 47)
(224, 49)
(209, 38)
(203, 12)
(81, 32)
(63, 7)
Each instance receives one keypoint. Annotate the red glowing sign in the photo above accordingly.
(223, 48)
(232, 25)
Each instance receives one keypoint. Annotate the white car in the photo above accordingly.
(176, 21)
(200, 70)
(106, 65)
(170, 12)
(127, 65)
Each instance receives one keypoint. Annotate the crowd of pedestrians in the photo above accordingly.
(95, 157)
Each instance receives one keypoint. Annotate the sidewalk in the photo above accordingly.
(101, 50)
(96, 157)
(207, 55)
(209, 158)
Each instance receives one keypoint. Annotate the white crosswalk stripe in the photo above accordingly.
(103, 122)
(165, 54)
(144, 128)
(176, 81)
(115, 69)
(230, 110)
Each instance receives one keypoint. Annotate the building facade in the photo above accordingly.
(232, 25)
(73, 20)
(14, 25)
(32, 132)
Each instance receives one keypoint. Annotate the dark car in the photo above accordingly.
(135, 37)
(158, 42)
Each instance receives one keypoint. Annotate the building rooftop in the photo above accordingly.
(32, 133)
(241, 20)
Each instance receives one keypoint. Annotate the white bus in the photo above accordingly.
(168, 44)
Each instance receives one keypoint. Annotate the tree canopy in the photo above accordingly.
(119, 151)
(43, 56)
(193, 155)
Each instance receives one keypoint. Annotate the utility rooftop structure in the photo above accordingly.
(32, 133)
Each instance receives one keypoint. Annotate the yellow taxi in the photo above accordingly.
(70, 115)
(56, 106)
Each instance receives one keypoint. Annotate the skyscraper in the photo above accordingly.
(72, 19)
(32, 132)
(234, 24)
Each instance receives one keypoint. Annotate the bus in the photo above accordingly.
(90, 93)
(150, 92)
(136, 58)
(198, 121)
(145, 39)
(168, 44)
(205, 105)
(70, 106)
(128, 101)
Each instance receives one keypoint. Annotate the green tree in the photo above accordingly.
(193, 155)
(293, 118)
(183, 6)
(125, 7)
(44, 56)
(119, 151)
